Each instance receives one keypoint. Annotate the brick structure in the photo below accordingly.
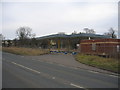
(110, 47)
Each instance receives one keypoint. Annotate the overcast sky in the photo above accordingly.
(53, 16)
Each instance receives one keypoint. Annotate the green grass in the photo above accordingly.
(25, 51)
(99, 62)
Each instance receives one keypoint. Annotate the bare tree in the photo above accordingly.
(87, 30)
(111, 33)
(75, 32)
(24, 33)
(2, 37)
(24, 36)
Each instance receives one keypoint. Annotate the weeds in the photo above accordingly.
(99, 62)
(25, 51)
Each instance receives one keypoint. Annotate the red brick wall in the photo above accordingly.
(103, 46)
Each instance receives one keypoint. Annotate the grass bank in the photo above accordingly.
(25, 51)
(99, 62)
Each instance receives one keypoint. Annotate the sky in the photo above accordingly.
(47, 17)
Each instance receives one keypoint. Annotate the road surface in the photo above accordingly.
(21, 72)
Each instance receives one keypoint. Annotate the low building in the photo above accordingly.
(107, 47)
(67, 42)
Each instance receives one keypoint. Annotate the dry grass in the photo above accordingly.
(99, 62)
(25, 51)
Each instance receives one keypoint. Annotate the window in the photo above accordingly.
(93, 46)
(118, 48)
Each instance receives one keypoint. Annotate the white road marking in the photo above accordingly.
(50, 63)
(98, 72)
(76, 85)
(93, 72)
(113, 75)
(61, 65)
(25, 67)
(53, 77)
(40, 72)
(69, 67)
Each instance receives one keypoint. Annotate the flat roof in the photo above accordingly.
(73, 35)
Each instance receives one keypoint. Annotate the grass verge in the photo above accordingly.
(109, 64)
(25, 51)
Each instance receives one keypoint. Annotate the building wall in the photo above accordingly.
(100, 46)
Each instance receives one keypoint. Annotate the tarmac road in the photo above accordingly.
(21, 72)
